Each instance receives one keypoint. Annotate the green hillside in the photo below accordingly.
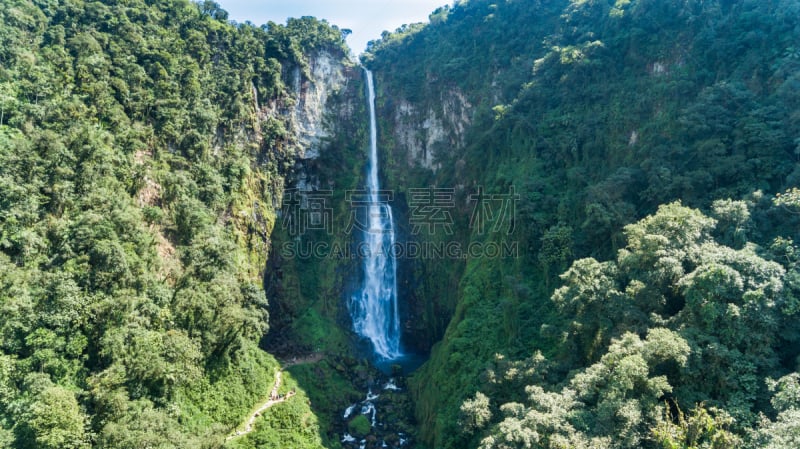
(139, 181)
(597, 113)
(645, 151)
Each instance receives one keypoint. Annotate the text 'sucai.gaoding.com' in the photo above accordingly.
(406, 250)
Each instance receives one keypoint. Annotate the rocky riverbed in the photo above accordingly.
(382, 418)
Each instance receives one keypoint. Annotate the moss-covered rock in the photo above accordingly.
(359, 426)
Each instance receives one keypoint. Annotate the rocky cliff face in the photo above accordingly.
(328, 77)
(327, 128)
(416, 134)
(305, 118)
(324, 103)
(421, 132)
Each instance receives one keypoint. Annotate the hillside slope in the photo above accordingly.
(596, 112)
(144, 147)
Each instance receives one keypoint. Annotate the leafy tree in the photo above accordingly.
(53, 419)
(713, 329)
(784, 432)
(475, 412)
(702, 429)
(607, 405)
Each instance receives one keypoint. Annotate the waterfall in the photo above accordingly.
(374, 306)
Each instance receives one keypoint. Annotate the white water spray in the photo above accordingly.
(374, 307)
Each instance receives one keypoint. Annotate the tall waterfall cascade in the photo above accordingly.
(373, 307)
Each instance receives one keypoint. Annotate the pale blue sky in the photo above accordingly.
(367, 18)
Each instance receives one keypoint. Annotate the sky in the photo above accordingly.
(367, 18)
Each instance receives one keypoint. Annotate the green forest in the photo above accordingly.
(137, 185)
(654, 145)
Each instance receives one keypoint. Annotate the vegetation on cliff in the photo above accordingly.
(145, 146)
(597, 113)
(139, 178)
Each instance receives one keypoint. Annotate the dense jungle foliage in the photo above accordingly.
(138, 185)
(654, 302)
(654, 146)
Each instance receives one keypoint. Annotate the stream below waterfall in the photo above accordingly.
(382, 418)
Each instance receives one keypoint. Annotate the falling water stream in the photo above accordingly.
(374, 310)
(373, 307)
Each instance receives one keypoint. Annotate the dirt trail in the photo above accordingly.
(274, 398)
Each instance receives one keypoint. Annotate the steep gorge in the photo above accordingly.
(177, 212)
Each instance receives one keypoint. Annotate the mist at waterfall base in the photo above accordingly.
(374, 306)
